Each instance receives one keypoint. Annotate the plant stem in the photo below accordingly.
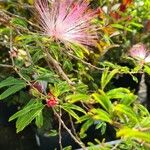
(6, 66)
(60, 137)
(57, 67)
(69, 131)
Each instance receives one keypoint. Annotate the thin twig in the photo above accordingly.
(60, 137)
(144, 129)
(84, 62)
(69, 131)
(97, 68)
(72, 125)
(6, 66)
(57, 67)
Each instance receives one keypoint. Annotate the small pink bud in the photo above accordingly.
(52, 101)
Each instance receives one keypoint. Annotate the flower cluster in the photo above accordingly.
(52, 101)
(68, 21)
(139, 52)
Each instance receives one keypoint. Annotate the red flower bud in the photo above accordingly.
(52, 101)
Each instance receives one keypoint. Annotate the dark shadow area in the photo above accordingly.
(9, 139)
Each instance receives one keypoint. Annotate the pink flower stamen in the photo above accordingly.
(68, 21)
(139, 52)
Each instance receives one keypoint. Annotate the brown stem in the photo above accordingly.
(144, 129)
(57, 67)
(95, 67)
(116, 124)
(73, 127)
(69, 131)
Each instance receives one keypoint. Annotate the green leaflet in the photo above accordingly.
(19, 22)
(123, 94)
(77, 97)
(70, 109)
(39, 119)
(14, 84)
(147, 69)
(11, 90)
(85, 127)
(132, 133)
(99, 114)
(11, 81)
(106, 77)
(121, 108)
(33, 110)
(25, 120)
(104, 101)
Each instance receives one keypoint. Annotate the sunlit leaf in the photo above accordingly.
(135, 134)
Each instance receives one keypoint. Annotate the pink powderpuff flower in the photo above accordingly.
(139, 52)
(69, 21)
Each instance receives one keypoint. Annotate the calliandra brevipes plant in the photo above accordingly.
(68, 21)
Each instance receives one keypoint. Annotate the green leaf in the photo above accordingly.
(25, 120)
(32, 104)
(33, 110)
(10, 81)
(67, 148)
(25, 38)
(13, 89)
(135, 134)
(137, 24)
(101, 125)
(119, 26)
(71, 112)
(37, 56)
(19, 22)
(75, 107)
(117, 93)
(99, 114)
(85, 127)
(147, 69)
(77, 50)
(126, 110)
(84, 118)
(60, 88)
(77, 97)
(103, 100)
(106, 77)
(39, 120)
(143, 110)
(70, 107)
(134, 78)
(123, 94)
